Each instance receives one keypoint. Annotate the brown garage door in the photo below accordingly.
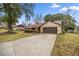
(50, 30)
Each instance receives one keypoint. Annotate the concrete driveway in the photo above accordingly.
(37, 45)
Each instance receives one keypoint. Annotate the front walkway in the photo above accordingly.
(37, 45)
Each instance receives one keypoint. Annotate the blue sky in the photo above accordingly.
(53, 8)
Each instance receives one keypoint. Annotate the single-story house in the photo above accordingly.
(34, 27)
(77, 28)
(3, 25)
(48, 27)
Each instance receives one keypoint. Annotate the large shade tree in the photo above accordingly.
(14, 10)
(48, 17)
(67, 21)
(58, 17)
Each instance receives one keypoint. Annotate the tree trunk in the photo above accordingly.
(8, 8)
(10, 28)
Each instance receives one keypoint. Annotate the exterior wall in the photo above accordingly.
(36, 29)
(30, 29)
(51, 24)
(59, 29)
(20, 28)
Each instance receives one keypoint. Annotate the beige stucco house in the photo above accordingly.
(51, 27)
(48, 27)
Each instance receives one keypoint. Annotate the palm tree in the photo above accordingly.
(13, 10)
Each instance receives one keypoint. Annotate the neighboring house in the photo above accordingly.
(20, 27)
(77, 28)
(3, 25)
(48, 27)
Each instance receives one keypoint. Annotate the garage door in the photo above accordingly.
(50, 30)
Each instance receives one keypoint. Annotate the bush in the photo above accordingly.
(63, 31)
(29, 31)
(76, 32)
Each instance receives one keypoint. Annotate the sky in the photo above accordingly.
(54, 8)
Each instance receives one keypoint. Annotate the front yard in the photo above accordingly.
(4, 36)
(66, 45)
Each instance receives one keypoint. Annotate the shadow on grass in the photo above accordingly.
(7, 33)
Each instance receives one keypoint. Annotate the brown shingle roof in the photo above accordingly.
(35, 25)
(40, 24)
(20, 25)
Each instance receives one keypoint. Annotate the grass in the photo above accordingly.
(66, 45)
(3, 30)
(4, 36)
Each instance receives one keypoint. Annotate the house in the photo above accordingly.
(3, 25)
(51, 27)
(20, 27)
(48, 27)
(77, 28)
(35, 27)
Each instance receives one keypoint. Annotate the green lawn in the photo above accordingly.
(3, 30)
(66, 45)
(4, 36)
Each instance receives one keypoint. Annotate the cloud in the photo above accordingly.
(64, 9)
(55, 5)
(73, 8)
(76, 8)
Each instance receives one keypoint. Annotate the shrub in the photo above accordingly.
(29, 31)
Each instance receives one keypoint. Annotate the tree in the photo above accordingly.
(54, 17)
(13, 10)
(58, 17)
(38, 18)
(48, 18)
(24, 23)
(68, 23)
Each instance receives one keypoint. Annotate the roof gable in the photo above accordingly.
(55, 22)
